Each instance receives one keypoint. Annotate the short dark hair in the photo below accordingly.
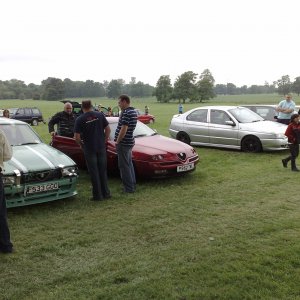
(125, 98)
(293, 117)
(86, 104)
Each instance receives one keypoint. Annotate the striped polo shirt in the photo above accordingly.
(128, 117)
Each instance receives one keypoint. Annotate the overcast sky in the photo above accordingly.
(239, 41)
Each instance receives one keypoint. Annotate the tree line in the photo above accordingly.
(187, 87)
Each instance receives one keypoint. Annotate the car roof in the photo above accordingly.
(5, 121)
(224, 107)
(267, 105)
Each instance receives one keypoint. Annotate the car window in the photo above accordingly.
(20, 134)
(219, 117)
(35, 111)
(245, 115)
(140, 130)
(199, 115)
(21, 111)
(28, 111)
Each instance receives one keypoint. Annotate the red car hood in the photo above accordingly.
(158, 144)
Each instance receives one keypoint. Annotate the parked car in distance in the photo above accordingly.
(30, 115)
(37, 172)
(146, 119)
(231, 127)
(154, 155)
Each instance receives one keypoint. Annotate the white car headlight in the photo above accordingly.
(280, 136)
(68, 171)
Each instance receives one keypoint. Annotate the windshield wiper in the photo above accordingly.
(29, 143)
(140, 135)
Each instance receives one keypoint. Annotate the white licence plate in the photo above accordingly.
(32, 189)
(185, 168)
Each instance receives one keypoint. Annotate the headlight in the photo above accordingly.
(12, 180)
(68, 171)
(157, 157)
(280, 136)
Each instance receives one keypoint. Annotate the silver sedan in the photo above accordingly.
(232, 127)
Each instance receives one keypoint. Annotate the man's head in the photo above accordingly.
(68, 108)
(86, 105)
(288, 97)
(124, 102)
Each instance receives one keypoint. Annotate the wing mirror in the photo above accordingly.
(231, 123)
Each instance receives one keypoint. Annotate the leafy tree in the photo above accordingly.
(114, 88)
(184, 86)
(164, 89)
(284, 85)
(296, 85)
(221, 89)
(231, 89)
(205, 86)
(53, 89)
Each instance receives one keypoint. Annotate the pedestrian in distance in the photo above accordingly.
(180, 108)
(285, 109)
(124, 143)
(6, 113)
(91, 133)
(293, 134)
(6, 245)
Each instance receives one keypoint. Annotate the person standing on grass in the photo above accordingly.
(124, 143)
(293, 134)
(6, 245)
(92, 127)
(285, 109)
(180, 108)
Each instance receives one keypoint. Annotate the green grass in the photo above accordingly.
(230, 230)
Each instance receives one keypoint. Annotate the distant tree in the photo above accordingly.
(221, 89)
(53, 89)
(296, 86)
(231, 89)
(163, 90)
(205, 86)
(184, 86)
(284, 85)
(114, 88)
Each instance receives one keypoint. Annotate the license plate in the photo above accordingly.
(32, 189)
(185, 168)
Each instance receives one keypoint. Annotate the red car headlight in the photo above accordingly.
(157, 157)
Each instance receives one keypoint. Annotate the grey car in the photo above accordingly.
(233, 127)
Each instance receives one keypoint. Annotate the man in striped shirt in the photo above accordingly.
(124, 143)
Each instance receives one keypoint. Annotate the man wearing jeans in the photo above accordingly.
(92, 127)
(124, 143)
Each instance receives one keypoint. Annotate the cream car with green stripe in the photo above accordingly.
(37, 172)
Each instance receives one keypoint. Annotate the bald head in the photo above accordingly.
(68, 108)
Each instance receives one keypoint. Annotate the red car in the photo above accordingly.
(146, 119)
(153, 155)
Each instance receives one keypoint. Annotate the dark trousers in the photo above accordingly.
(126, 167)
(5, 243)
(97, 166)
(284, 121)
(294, 152)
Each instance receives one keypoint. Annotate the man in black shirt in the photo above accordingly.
(64, 120)
(91, 133)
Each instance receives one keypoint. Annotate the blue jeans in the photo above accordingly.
(5, 243)
(97, 166)
(126, 167)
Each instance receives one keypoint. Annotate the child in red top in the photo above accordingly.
(293, 134)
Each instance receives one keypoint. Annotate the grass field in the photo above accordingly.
(229, 230)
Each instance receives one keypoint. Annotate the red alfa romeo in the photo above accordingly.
(153, 155)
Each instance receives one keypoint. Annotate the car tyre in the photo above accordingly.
(35, 122)
(251, 144)
(183, 137)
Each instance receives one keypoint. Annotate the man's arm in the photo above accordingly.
(54, 120)
(122, 133)
(107, 132)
